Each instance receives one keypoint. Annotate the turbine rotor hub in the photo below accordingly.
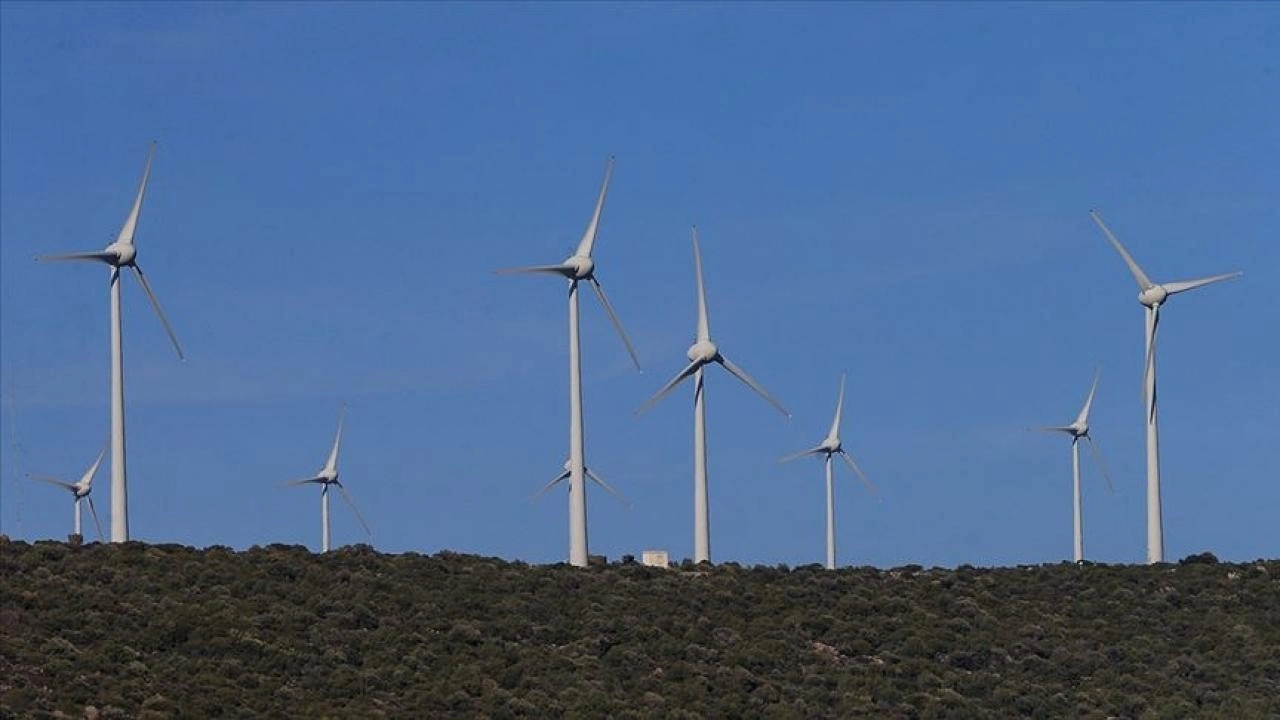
(703, 351)
(1153, 296)
(582, 267)
(124, 252)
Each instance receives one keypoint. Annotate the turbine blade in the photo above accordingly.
(803, 453)
(131, 222)
(1083, 417)
(688, 370)
(848, 460)
(331, 465)
(94, 512)
(599, 481)
(305, 481)
(347, 497)
(53, 481)
(96, 255)
(1097, 456)
(155, 303)
(613, 316)
(1050, 428)
(835, 422)
(87, 479)
(1140, 277)
(552, 269)
(704, 323)
(564, 475)
(589, 236)
(1149, 367)
(1185, 285)
(751, 383)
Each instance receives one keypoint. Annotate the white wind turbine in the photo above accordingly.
(1079, 430)
(1152, 296)
(327, 476)
(80, 491)
(702, 353)
(118, 255)
(830, 446)
(579, 267)
(566, 473)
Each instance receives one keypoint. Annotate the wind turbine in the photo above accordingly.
(579, 267)
(327, 476)
(703, 352)
(830, 446)
(1152, 296)
(118, 255)
(567, 473)
(1079, 430)
(80, 491)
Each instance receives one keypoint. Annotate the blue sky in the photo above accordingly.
(899, 191)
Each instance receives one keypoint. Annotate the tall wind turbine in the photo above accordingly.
(119, 255)
(1079, 430)
(1152, 296)
(80, 491)
(327, 476)
(578, 267)
(831, 446)
(702, 353)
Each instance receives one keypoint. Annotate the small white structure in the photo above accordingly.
(655, 558)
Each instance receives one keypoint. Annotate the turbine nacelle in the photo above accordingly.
(1153, 296)
(703, 351)
(831, 445)
(579, 267)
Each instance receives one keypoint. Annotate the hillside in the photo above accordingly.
(160, 631)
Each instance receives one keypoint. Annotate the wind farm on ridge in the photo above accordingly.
(581, 266)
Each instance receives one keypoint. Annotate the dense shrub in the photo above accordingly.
(158, 631)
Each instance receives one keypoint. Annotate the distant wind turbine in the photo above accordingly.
(579, 267)
(327, 476)
(122, 254)
(80, 491)
(566, 473)
(702, 353)
(830, 446)
(1079, 430)
(1152, 296)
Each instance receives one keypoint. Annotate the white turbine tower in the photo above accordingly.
(1079, 430)
(579, 267)
(118, 255)
(327, 476)
(830, 446)
(80, 491)
(704, 352)
(1153, 296)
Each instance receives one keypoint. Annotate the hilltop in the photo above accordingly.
(136, 630)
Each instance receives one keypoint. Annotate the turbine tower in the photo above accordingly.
(119, 255)
(579, 267)
(830, 446)
(327, 476)
(1079, 430)
(80, 491)
(1152, 296)
(702, 353)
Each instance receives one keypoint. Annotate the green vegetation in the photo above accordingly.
(138, 630)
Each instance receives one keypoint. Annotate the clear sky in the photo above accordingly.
(899, 191)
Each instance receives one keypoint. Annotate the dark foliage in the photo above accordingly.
(154, 631)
